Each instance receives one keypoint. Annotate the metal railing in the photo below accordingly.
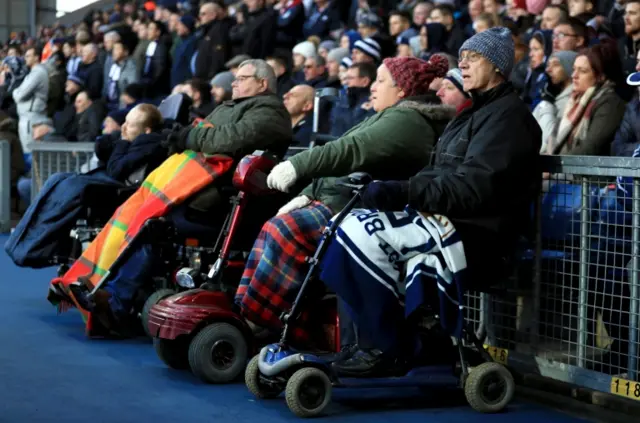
(5, 186)
(54, 157)
(571, 310)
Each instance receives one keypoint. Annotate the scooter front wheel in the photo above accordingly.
(489, 387)
(258, 388)
(308, 392)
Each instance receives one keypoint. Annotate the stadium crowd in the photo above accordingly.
(487, 85)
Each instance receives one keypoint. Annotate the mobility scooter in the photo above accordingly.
(308, 378)
(201, 328)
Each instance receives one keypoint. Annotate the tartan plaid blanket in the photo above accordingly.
(277, 265)
(177, 179)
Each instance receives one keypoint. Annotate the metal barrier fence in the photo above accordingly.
(571, 309)
(5, 186)
(54, 157)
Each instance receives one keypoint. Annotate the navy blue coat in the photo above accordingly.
(347, 112)
(627, 138)
(181, 69)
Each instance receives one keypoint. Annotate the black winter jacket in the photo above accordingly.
(122, 158)
(485, 168)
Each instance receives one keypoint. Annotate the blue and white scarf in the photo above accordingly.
(381, 260)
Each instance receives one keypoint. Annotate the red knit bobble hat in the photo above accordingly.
(413, 76)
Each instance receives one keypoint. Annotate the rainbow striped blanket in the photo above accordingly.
(177, 179)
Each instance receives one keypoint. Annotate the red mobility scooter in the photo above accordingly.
(201, 328)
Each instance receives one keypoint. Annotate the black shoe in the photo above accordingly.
(370, 363)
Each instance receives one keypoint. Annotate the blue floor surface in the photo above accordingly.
(49, 372)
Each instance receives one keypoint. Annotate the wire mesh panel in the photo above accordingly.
(55, 157)
(570, 311)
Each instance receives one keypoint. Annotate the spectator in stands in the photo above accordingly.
(89, 116)
(322, 21)
(234, 64)
(582, 10)
(369, 27)
(214, 45)
(14, 71)
(299, 103)
(403, 48)
(221, 87)
(353, 104)
(443, 14)
(291, 19)
(109, 39)
(400, 25)
(57, 77)
(254, 119)
(315, 72)
(123, 73)
(9, 133)
(366, 51)
(570, 35)
(433, 39)
(132, 95)
(452, 92)
(186, 49)
(334, 58)
(113, 122)
(73, 59)
(556, 94)
(483, 22)
(64, 120)
(462, 187)
(31, 98)
(140, 52)
(552, 15)
(156, 73)
(349, 38)
(540, 47)
(421, 13)
(627, 138)
(301, 52)
(255, 31)
(279, 65)
(629, 44)
(594, 112)
(91, 71)
(378, 145)
(199, 92)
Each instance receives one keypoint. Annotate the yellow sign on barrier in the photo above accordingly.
(499, 355)
(625, 388)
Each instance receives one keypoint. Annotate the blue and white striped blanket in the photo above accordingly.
(382, 262)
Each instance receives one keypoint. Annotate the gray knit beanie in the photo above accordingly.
(337, 54)
(496, 45)
(223, 80)
(566, 59)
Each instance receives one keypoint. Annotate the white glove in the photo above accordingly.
(282, 177)
(295, 204)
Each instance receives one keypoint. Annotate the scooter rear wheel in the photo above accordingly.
(258, 388)
(489, 388)
(308, 392)
(173, 352)
(218, 353)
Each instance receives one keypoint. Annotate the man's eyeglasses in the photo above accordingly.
(242, 78)
(469, 57)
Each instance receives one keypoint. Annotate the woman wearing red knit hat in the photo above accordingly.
(397, 140)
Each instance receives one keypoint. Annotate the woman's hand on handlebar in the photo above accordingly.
(282, 177)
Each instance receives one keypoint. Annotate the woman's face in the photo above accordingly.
(480, 25)
(536, 53)
(556, 72)
(298, 61)
(218, 94)
(323, 52)
(384, 92)
(477, 72)
(424, 38)
(450, 95)
(583, 77)
(344, 42)
(490, 6)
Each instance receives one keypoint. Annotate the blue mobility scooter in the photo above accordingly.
(308, 378)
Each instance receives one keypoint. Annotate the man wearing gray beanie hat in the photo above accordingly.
(496, 45)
